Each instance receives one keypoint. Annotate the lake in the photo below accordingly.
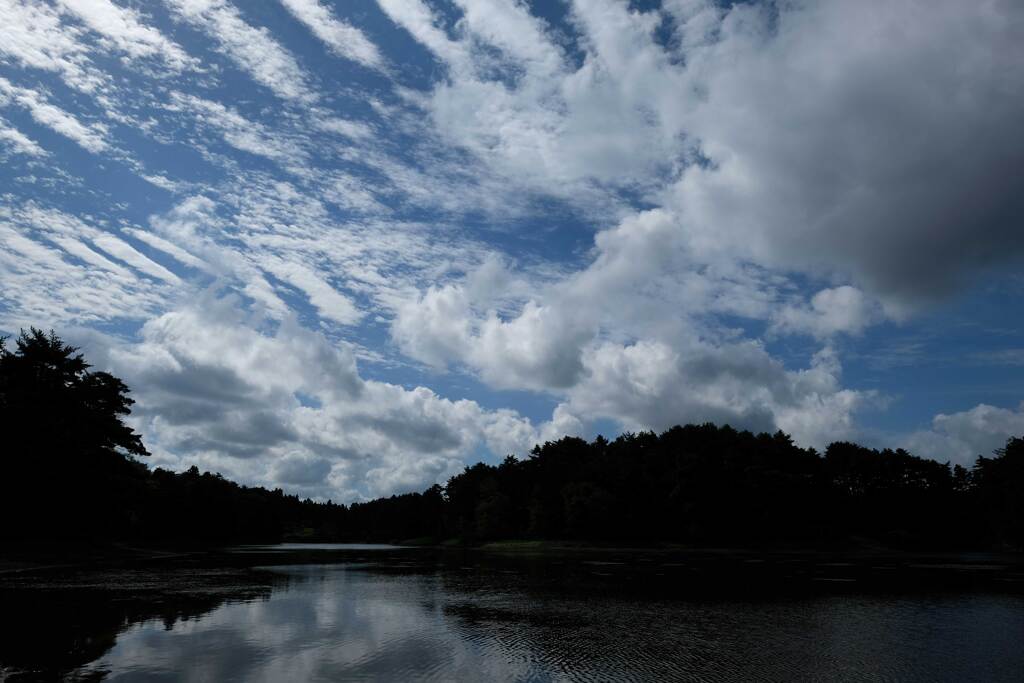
(327, 613)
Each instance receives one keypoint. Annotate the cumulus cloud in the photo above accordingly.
(287, 407)
(829, 137)
(961, 437)
(790, 143)
(648, 216)
(680, 371)
(650, 385)
(538, 347)
(434, 327)
(830, 311)
(869, 139)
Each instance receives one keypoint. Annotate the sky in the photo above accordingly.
(346, 248)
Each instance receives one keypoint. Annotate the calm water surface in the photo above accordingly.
(393, 615)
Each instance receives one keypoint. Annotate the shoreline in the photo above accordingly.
(674, 569)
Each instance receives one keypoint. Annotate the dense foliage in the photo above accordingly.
(70, 469)
(716, 485)
(69, 466)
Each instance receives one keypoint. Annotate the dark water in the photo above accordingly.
(395, 615)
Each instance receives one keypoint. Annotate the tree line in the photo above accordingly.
(708, 485)
(73, 469)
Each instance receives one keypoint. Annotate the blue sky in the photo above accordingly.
(346, 248)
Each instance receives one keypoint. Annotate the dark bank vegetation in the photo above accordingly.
(72, 469)
(709, 485)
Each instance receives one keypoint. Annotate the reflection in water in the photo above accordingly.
(399, 621)
(52, 625)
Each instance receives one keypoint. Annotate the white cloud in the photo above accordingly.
(961, 437)
(35, 36)
(328, 301)
(811, 170)
(801, 141)
(831, 311)
(213, 390)
(508, 25)
(162, 182)
(157, 242)
(251, 48)
(343, 39)
(80, 250)
(640, 284)
(123, 26)
(353, 194)
(434, 328)
(679, 370)
(19, 142)
(822, 137)
(125, 252)
(356, 130)
(539, 347)
(650, 385)
(239, 132)
(91, 137)
(45, 288)
(870, 139)
(535, 117)
(418, 19)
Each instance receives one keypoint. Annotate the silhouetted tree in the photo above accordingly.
(999, 483)
(710, 484)
(70, 468)
(49, 398)
(65, 441)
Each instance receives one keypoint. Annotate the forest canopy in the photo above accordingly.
(72, 468)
